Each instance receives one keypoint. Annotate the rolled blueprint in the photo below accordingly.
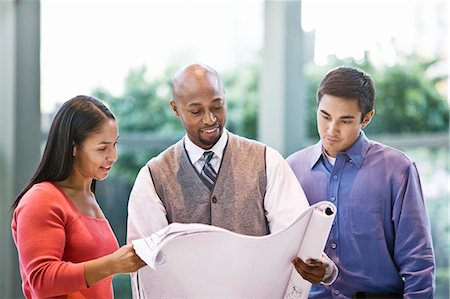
(191, 260)
(321, 221)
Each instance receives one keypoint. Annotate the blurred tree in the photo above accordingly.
(144, 108)
(143, 105)
(241, 89)
(406, 100)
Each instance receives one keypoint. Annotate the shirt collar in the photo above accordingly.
(316, 154)
(195, 152)
(356, 152)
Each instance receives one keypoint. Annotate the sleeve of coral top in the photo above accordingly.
(39, 233)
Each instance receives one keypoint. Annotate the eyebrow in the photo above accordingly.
(196, 104)
(341, 117)
(108, 142)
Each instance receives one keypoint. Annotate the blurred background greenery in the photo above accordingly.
(406, 103)
(125, 52)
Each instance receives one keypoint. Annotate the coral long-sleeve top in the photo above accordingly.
(54, 240)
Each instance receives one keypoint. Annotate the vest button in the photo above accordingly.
(214, 199)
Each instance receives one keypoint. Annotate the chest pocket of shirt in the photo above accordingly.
(366, 217)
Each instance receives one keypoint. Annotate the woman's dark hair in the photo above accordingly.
(349, 83)
(76, 120)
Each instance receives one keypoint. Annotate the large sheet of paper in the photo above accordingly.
(203, 261)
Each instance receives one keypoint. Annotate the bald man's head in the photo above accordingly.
(193, 77)
(199, 102)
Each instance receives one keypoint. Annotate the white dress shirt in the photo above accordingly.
(284, 199)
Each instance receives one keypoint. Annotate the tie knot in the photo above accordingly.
(208, 155)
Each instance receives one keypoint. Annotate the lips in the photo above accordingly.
(106, 168)
(210, 130)
(331, 139)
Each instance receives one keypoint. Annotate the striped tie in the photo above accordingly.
(208, 174)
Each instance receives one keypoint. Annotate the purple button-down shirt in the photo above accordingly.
(380, 239)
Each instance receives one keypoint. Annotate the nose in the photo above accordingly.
(113, 155)
(332, 128)
(209, 118)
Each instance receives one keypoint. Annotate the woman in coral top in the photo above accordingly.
(65, 244)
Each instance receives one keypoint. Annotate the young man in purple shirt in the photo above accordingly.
(380, 239)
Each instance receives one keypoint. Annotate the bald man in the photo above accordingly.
(246, 185)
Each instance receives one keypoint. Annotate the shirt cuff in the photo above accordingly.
(331, 272)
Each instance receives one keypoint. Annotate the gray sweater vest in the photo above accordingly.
(237, 200)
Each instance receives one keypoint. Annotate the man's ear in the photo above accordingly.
(367, 118)
(174, 107)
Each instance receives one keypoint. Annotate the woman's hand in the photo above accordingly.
(123, 260)
(126, 260)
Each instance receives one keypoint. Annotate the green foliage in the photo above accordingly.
(241, 90)
(144, 105)
(144, 108)
(406, 101)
